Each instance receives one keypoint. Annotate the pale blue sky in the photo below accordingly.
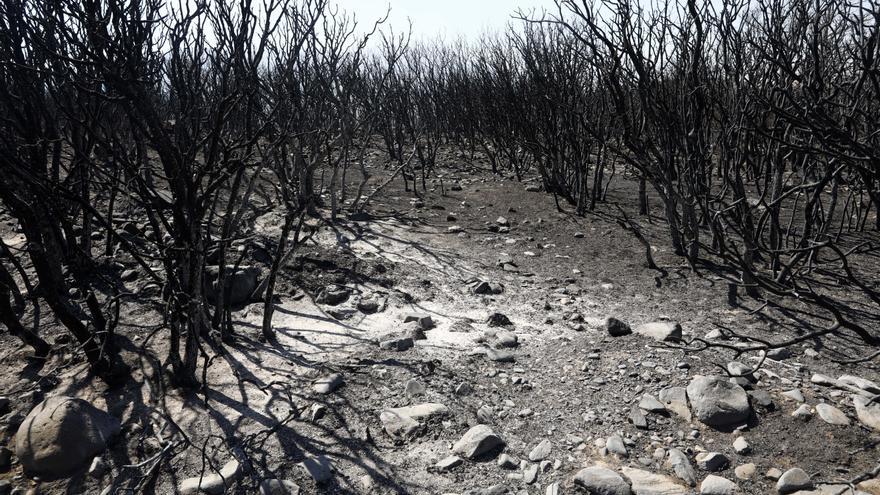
(448, 18)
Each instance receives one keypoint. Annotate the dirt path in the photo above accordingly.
(558, 376)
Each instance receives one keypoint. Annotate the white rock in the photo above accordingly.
(646, 483)
(212, 483)
(716, 485)
(868, 413)
(741, 446)
(831, 415)
(793, 480)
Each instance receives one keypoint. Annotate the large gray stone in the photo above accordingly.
(241, 285)
(717, 402)
(597, 480)
(61, 435)
(478, 442)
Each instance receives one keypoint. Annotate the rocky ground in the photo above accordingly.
(471, 341)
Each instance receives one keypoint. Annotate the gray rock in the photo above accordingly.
(861, 383)
(505, 339)
(461, 326)
(278, 487)
(793, 480)
(681, 466)
(482, 287)
(667, 331)
(484, 414)
(553, 489)
(333, 295)
(425, 321)
(507, 462)
(212, 483)
(762, 399)
(646, 483)
(315, 412)
(327, 384)
(541, 451)
(780, 354)
(615, 445)
(448, 464)
(637, 418)
(804, 412)
(712, 461)
(414, 387)
(61, 434)
(738, 369)
(500, 356)
(598, 480)
(675, 400)
(404, 423)
(867, 412)
(318, 467)
(498, 320)
(242, 284)
(499, 489)
(716, 485)
(464, 388)
(398, 426)
(616, 328)
(368, 306)
(832, 415)
(717, 402)
(398, 343)
(774, 474)
(478, 442)
(650, 404)
(530, 474)
(820, 379)
(795, 395)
